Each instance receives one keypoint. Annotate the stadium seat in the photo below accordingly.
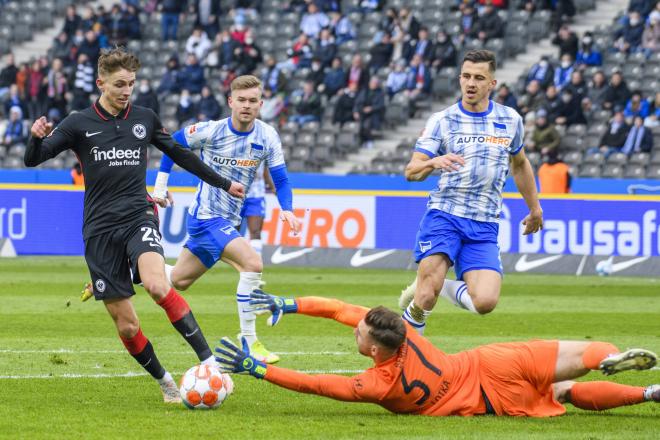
(573, 157)
(569, 142)
(351, 127)
(301, 152)
(653, 172)
(639, 158)
(617, 159)
(326, 139)
(655, 158)
(13, 163)
(307, 139)
(634, 172)
(596, 129)
(347, 142)
(613, 171)
(602, 116)
(311, 127)
(594, 159)
(17, 150)
(589, 170)
(577, 129)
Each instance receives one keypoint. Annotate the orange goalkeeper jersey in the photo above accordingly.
(420, 379)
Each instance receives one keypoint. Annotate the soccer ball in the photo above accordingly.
(205, 387)
(604, 268)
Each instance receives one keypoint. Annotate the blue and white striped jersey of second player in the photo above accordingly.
(232, 154)
(258, 187)
(485, 140)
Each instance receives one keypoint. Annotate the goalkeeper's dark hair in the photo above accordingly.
(386, 327)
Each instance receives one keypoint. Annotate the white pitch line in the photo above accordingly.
(71, 351)
(138, 374)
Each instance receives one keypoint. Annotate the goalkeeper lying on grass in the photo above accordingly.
(410, 375)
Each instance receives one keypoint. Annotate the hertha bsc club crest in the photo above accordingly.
(139, 131)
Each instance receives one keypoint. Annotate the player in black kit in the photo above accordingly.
(120, 228)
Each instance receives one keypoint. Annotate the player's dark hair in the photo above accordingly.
(386, 327)
(111, 60)
(481, 56)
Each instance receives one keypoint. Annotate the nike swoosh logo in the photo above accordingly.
(623, 265)
(145, 365)
(89, 135)
(358, 259)
(278, 257)
(522, 265)
(193, 332)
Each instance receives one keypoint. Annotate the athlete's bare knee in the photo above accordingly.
(254, 264)
(484, 304)
(127, 328)
(156, 288)
(181, 285)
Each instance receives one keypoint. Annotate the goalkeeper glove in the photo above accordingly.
(276, 304)
(236, 360)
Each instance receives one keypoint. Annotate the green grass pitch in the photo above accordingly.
(64, 372)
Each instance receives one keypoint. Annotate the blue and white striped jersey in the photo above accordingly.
(235, 155)
(258, 187)
(485, 140)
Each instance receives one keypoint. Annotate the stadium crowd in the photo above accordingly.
(561, 98)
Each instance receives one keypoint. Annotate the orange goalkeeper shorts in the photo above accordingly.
(517, 377)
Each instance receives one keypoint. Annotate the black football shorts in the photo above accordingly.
(112, 257)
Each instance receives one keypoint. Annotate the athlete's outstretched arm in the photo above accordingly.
(308, 305)
(233, 359)
(46, 143)
(328, 385)
(523, 175)
(188, 160)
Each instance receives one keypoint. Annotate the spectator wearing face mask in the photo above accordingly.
(588, 55)
(629, 38)
(186, 110)
(570, 112)
(147, 97)
(444, 52)
(316, 73)
(199, 44)
(543, 72)
(564, 71)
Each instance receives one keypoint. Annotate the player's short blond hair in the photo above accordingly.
(245, 82)
(112, 60)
